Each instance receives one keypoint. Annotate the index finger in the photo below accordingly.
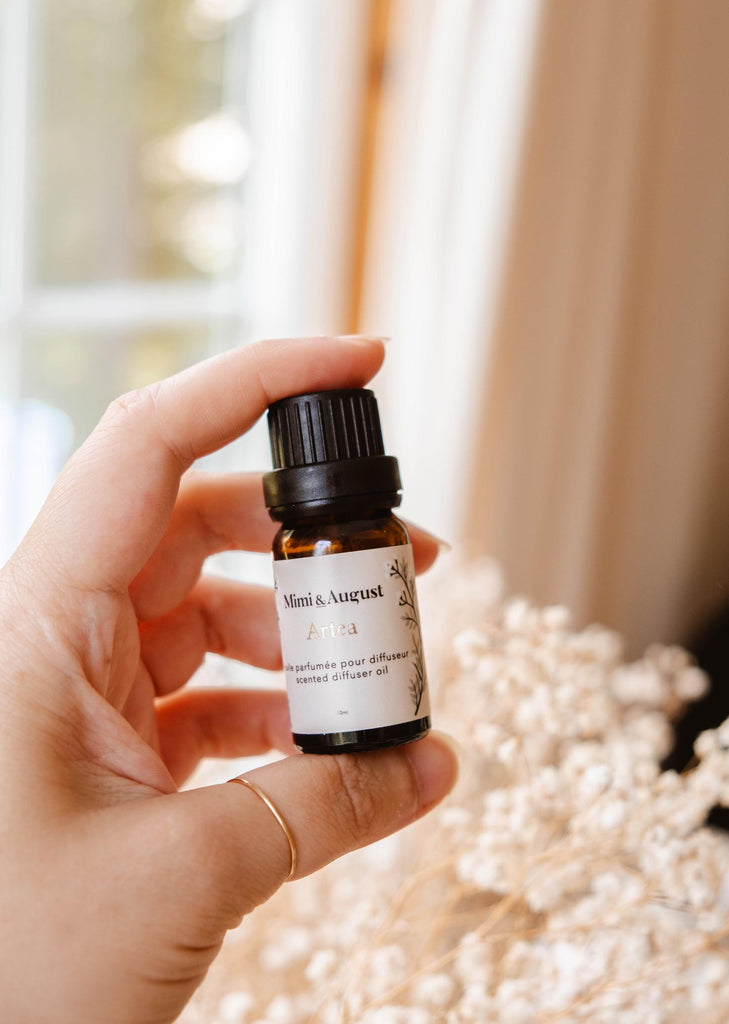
(110, 505)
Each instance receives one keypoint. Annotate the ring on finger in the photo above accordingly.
(242, 781)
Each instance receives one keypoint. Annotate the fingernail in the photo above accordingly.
(452, 742)
(435, 761)
(362, 337)
(443, 545)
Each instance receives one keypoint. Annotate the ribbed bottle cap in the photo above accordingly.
(327, 447)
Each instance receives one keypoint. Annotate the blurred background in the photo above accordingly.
(530, 196)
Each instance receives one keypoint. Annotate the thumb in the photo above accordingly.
(331, 805)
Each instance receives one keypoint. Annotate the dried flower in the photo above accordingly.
(566, 880)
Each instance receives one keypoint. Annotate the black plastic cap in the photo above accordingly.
(323, 427)
(327, 448)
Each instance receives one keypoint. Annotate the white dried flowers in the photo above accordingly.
(567, 879)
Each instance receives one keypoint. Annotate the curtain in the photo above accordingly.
(597, 377)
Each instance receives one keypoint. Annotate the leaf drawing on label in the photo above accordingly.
(407, 601)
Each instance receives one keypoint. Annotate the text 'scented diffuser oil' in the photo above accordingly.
(344, 577)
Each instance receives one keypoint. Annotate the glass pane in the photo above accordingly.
(137, 168)
(78, 374)
(66, 382)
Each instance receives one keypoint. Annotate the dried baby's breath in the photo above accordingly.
(566, 880)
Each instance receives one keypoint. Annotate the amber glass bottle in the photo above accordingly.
(345, 584)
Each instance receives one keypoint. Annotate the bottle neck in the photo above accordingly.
(341, 511)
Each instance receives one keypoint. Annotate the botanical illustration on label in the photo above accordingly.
(351, 642)
(409, 602)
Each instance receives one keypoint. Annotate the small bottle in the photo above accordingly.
(344, 577)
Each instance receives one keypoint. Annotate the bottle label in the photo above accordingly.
(350, 636)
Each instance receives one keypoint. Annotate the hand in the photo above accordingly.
(118, 889)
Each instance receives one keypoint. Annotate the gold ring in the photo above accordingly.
(277, 815)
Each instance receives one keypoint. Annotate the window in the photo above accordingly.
(174, 180)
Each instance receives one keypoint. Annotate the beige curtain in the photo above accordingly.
(603, 480)
(600, 470)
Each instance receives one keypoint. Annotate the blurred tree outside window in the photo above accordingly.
(124, 149)
(176, 177)
(138, 150)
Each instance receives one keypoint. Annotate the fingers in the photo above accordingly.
(214, 512)
(237, 620)
(426, 547)
(109, 509)
(332, 804)
(221, 723)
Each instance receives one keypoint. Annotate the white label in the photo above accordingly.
(350, 636)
